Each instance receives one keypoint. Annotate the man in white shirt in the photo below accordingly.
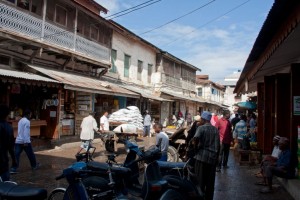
(164, 144)
(23, 142)
(104, 124)
(88, 128)
(147, 124)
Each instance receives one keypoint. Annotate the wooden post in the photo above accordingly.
(282, 105)
(261, 113)
(44, 18)
(75, 31)
(269, 117)
(295, 119)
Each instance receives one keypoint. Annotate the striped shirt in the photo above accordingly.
(240, 130)
(209, 144)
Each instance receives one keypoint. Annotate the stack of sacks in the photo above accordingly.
(131, 115)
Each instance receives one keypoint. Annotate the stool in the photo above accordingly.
(244, 156)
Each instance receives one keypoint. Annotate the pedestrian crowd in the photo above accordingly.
(208, 144)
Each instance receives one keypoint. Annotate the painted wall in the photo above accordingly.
(137, 51)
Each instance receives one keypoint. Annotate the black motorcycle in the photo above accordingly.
(112, 181)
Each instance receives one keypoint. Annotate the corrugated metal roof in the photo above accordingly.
(143, 93)
(181, 96)
(83, 83)
(25, 75)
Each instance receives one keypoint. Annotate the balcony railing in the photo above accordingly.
(169, 80)
(14, 20)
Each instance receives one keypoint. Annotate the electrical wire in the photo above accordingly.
(128, 9)
(216, 18)
(135, 9)
(178, 18)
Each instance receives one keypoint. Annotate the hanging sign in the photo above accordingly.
(296, 102)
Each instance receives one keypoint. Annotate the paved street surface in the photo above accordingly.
(236, 182)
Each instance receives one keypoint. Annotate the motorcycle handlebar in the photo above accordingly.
(59, 177)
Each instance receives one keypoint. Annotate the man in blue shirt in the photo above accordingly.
(283, 168)
(240, 131)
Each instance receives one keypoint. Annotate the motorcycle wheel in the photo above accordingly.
(171, 194)
(183, 186)
(172, 154)
(109, 145)
(57, 194)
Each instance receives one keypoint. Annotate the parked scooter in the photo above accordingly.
(180, 177)
(11, 191)
(127, 175)
(111, 181)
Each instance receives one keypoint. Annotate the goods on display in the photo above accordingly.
(130, 115)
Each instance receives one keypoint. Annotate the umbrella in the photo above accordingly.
(247, 105)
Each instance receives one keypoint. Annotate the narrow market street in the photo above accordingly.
(236, 182)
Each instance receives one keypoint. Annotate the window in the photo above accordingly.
(12, 1)
(113, 61)
(94, 33)
(149, 72)
(126, 65)
(23, 4)
(4, 60)
(200, 92)
(60, 15)
(139, 70)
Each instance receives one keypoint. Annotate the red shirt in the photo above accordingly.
(224, 127)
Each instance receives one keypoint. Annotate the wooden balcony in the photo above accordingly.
(20, 24)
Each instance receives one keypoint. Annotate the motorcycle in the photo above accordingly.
(11, 191)
(180, 177)
(110, 181)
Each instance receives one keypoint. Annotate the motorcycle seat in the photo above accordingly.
(13, 191)
(170, 165)
(98, 167)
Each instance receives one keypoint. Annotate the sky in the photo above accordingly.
(217, 36)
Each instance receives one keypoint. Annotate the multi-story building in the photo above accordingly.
(52, 55)
(210, 91)
(230, 98)
(159, 77)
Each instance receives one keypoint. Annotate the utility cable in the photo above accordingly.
(128, 9)
(135, 9)
(178, 17)
(216, 18)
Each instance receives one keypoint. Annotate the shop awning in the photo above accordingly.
(143, 93)
(25, 75)
(83, 83)
(182, 97)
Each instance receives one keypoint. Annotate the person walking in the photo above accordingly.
(104, 123)
(7, 142)
(207, 142)
(88, 127)
(224, 127)
(235, 120)
(240, 131)
(23, 143)
(164, 143)
(147, 124)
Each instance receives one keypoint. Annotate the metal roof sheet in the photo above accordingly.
(25, 75)
(143, 93)
(181, 96)
(83, 83)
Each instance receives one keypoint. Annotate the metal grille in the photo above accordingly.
(22, 23)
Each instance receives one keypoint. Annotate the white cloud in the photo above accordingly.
(217, 52)
(111, 5)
